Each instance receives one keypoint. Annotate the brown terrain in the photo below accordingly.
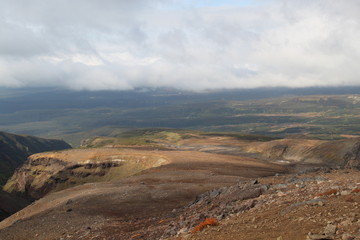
(165, 191)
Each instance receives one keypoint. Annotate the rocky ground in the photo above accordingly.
(313, 206)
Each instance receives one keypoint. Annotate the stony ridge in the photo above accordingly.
(315, 206)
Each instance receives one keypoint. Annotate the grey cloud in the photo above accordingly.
(96, 45)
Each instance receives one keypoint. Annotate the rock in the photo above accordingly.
(281, 194)
(182, 231)
(280, 238)
(300, 185)
(221, 216)
(344, 193)
(321, 203)
(250, 204)
(312, 236)
(330, 229)
(280, 186)
(214, 193)
(347, 236)
(346, 223)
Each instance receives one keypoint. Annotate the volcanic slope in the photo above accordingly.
(118, 209)
(177, 176)
(323, 205)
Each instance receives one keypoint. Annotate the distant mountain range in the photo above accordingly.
(325, 113)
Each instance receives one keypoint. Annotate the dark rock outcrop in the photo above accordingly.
(14, 150)
(9, 204)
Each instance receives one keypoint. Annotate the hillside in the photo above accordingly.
(118, 208)
(10, 204)
(323, 205)
(14, 150)
(54, 171)
(327, 153)
(162, 183)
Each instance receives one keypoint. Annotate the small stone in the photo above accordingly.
(280, 238)
(182, 231)
(346, 223)
(312, 236)
(330, 229)
(344, 193)
(321, 203)
(281, 194)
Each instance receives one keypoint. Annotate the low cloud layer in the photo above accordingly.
(98, 45)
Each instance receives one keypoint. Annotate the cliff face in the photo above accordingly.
(54, 171)
(14, 150)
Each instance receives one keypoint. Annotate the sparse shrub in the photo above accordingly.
(206, 222)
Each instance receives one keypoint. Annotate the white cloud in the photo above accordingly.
(93, 44)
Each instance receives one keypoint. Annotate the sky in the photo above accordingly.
(191, 45)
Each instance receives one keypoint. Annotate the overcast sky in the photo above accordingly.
(192, 45)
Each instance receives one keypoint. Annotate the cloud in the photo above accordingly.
(97, 45)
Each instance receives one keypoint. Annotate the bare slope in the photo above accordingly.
(118, 209)
(339, 153)
(45, 172)
(314, 206)
(334, 153)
